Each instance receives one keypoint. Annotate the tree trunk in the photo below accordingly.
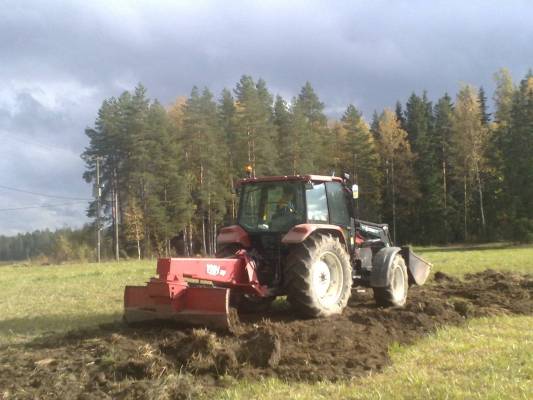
(185, 242)
(214, 237)
(203, 236)
(191, 247)
(445, 198)
(480, 191)
(209, 229)
(115, 214)
(465, 209)
(444, 185)
(146, 242)
(233, 216)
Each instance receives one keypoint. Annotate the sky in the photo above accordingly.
(60, 59)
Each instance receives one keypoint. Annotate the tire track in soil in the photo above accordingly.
(116, 361)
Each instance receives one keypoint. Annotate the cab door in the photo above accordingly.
(339, 212)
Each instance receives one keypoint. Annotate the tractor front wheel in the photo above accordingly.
(318, 276)
(395, 293)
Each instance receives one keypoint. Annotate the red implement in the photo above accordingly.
(193, 291)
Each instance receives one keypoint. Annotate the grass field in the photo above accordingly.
(461, 260)
(39, 299)
(488, 358)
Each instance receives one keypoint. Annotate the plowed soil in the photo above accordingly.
(116, 361)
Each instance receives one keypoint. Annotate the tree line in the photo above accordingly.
(47, 247)
(440, 172)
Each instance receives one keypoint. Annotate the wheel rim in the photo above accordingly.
(327, 279)
(398, 284)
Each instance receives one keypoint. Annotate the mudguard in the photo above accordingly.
(381, 262)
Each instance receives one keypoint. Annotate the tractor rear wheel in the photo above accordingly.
(395, 293)
(318, 276)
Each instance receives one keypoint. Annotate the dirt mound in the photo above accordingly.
(116, 361)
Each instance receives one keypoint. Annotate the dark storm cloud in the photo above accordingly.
(59, 60)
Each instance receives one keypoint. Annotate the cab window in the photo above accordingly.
(338, 204)
(317, 203)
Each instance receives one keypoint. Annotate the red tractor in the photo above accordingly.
(295, 236)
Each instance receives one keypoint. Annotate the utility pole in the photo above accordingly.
(98, 194)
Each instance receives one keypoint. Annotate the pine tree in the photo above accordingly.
(283, 123)
(503, 97)
(400, 190)
(134, 224)
(310, 128)
(254, 128)
(470, 140)
(359, 156)
(485, 115)
(517, 149)
(178, 193)
(420, 129)
(400, 115)
(443, 133)
(205, 165)
(497, 204)
(226, 114)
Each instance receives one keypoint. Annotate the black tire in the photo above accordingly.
(318, 276)
(395, 294)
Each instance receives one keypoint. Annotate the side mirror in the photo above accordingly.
(355, 191)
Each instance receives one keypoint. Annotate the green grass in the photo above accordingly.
(38, 299)
(488, 358)
(461, 260)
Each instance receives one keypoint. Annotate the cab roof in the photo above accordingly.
(282, 178)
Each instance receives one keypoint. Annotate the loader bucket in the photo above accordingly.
(419, 268)
(205, 302)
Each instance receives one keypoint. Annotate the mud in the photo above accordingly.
(116, 361)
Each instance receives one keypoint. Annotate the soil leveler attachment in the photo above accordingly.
(193, 291)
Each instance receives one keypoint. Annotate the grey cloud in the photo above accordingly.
(370, 53)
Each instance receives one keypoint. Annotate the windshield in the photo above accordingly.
(271, 206)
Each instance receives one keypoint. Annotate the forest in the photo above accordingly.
(438, 172)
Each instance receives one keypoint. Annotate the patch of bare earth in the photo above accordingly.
(121, 362)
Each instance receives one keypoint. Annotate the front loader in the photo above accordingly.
(295, 236)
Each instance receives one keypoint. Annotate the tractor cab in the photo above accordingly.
(277, 204)
(277, 212)
(272, 206)
(275, 209)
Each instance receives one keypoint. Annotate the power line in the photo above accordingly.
(43, 194)
(26, 141)
(42, 206)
